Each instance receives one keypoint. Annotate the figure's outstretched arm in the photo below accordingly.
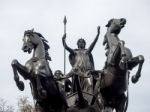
(65, 45)
(95, 40)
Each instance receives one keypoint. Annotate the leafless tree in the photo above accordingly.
(24, 105)
(5, 107)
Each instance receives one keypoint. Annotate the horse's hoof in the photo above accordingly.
(134, 79)
(141, 58)
(20, 85)
(14, 62)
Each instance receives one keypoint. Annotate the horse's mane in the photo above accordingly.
(45, 42)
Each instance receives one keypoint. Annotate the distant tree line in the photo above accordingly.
(24, 105)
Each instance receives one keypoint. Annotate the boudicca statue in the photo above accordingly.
(89, 90)
(81, 60)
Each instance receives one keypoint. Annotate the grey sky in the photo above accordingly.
(46, 17)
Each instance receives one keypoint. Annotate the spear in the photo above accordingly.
(65, 22)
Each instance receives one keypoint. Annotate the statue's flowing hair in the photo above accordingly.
(45, 42)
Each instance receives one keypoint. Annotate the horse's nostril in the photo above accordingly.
(123, 20)
(24, 47)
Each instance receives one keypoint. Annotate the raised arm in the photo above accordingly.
(65, 45)
(95, 40)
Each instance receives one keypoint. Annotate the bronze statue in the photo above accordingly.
(37, 70)
(81, 59)
(113, 81)
(107, 87)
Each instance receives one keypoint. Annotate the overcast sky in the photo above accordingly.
(46, 17)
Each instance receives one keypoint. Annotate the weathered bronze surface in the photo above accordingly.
(37, 70)
(89, 90)
(114, 79)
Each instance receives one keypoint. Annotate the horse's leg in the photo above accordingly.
(138, 60)
(113, 54)
(122, 63)
(122, 48)
(122, 104)
(17, 67)
(98, 86)
(41, 91)
(96, 92)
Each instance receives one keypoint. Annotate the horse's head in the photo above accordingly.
(30, 40)
(115, 25)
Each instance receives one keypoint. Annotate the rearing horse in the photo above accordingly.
(113, 81)
(44, 88)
